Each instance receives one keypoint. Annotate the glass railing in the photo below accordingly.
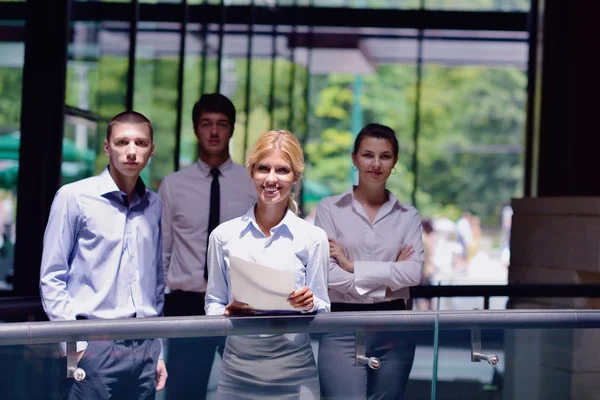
(504, 354)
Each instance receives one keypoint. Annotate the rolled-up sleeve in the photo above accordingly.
(340, 280)
(217, 290)
(317, 271)
(395, 275)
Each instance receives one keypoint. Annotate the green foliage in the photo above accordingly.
(470, 127)
(10, 96)
(470, 134)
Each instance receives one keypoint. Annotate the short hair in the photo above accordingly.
(214, 103)
(377, 131)
(288, 144)
(129, 117)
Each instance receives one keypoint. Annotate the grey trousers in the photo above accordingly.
(342, 379)
(120, 369)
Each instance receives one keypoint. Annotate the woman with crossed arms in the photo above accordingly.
(376, 255)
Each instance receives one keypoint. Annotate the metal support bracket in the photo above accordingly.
(476, 354)
(72, 371)
(361, 358)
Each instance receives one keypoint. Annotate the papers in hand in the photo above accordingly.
(261, 287)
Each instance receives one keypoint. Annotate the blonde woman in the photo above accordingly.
(270, 233)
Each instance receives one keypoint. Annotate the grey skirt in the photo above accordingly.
(268, 367)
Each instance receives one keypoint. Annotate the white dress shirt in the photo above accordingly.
(185, 197)
(374, 248)
(294, 244)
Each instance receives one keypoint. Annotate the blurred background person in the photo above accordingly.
(464, 234)
(429, 269)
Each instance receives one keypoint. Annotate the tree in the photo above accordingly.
(470, 126)
(470, 134)
(10, 96)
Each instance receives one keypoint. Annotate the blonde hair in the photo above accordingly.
(286, 142)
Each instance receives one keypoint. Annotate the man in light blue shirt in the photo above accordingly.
(102, 259)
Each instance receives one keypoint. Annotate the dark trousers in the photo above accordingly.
(119, 369)
(342, 379)
(189, 360)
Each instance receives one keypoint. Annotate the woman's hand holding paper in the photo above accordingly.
(238, 308)
(301, 298)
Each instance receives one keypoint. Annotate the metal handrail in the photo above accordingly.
(524, 290)
(508, 290)
(15, 306)
(174, 327)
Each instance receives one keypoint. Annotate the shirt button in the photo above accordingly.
(134, 279)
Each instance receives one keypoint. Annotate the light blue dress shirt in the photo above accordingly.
(294, 244)
(102, 257)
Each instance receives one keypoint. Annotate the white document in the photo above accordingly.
(259, 286)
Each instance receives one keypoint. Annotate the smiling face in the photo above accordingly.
(374, 160)
(129, 148)
(273, 177)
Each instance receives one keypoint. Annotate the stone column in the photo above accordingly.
(556, 231)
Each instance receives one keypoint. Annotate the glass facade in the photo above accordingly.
(454, 90)
(12, 49)
(456, 99)
(498, 355)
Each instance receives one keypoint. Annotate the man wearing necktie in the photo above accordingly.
(195, 201)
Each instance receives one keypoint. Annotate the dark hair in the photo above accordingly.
(129, 117)
(214, 103)
(377, 131)
(427, 226)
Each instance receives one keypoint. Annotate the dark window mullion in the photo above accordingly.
(273, 67)
(180, 78)
(221, 40)
(417, 121)
(133, 27)
(248, 78)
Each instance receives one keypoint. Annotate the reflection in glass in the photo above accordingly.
(95, 91)
(12, 51)
(466, 130)
(470, 137)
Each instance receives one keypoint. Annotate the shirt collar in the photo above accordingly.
(223, 168)
(347, 197)
(106, 184)
(287, 223)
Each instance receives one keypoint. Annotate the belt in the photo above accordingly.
(179, 303)
(194, 296)
(82, 317)
(393, 305)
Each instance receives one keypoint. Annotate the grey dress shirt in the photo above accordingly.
(185, 197)
(374, 248)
